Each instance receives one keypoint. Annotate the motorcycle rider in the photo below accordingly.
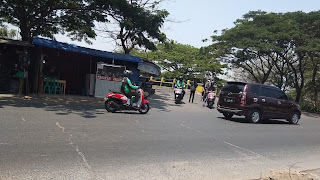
(126, 87)
(205, 89)
(180, 83)
(210, 87)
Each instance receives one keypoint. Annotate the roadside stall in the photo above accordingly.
(80, 70)
(108, 78)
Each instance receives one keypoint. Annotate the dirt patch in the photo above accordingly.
(286, 175)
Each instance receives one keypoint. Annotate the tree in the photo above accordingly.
(7, 33)
(74, 17)
(207, 63)
(138, 25)
(172, 57)
(252, 44)
(183, 60)
(310, 46)
(49, 17)
(277, 44)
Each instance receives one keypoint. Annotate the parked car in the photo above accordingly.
(257, 102)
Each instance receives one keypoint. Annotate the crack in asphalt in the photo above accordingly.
(84, 160)
(138, 123)
(22, 118)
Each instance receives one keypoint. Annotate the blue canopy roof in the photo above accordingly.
(78, 49)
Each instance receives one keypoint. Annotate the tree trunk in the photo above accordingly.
(314, 74)
(25, 31)
(301, 84)
(126, 50)
(298, 77)
(298, 94)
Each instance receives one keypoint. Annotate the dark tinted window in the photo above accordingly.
(233, 87)
(280, 95)
(255, 89)
(267, 92)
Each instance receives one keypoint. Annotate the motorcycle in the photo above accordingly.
(115, 101)
(178, 95)
(211, 98)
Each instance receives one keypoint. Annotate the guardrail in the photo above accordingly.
(162, 81)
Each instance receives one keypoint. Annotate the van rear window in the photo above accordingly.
(233, 87)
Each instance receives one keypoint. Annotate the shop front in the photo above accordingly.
(15, 63)
(83, 71)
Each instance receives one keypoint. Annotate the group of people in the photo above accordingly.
(208, 86)
(127, 86)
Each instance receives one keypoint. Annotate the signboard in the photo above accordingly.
(110, 72)
(108, 78)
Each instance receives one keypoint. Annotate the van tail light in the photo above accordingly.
(244, 95)
(243, 98)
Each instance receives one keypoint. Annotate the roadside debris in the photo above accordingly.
(286, 175)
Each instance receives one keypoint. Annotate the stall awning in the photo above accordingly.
(78, 49)
(150, 67)
(15, 42)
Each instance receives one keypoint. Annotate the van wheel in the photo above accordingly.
(294, 118)
(255, 116)
(228, 115)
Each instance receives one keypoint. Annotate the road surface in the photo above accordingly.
(52, 140)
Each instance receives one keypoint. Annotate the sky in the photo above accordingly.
(196, 20)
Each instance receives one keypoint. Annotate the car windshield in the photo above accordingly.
(233, 87)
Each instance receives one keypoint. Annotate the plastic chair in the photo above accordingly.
(56, 87)
(47, 85)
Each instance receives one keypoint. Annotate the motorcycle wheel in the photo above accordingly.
(210, 104)
(111, 106)
(144, 108)
(177, 101)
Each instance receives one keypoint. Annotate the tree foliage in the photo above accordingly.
(275, 48)
(7, 33)
(183, 60)
(77, 18)
(138, 25)
(49, 17)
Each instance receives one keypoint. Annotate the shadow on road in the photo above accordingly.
(265, 121)
(87, 107)
(162, 100)
(60, 107)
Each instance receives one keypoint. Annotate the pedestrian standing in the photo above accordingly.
(203, 89)
(193, 88)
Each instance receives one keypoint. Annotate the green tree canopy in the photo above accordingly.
(7, 33)
(272, 47)
(77, 18)
(138, 24)
(183, 60)
(49, 17)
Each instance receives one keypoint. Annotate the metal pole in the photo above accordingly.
(90, 77)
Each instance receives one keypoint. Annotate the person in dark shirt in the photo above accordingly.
(193, 88)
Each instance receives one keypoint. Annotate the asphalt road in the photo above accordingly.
(52, 140)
